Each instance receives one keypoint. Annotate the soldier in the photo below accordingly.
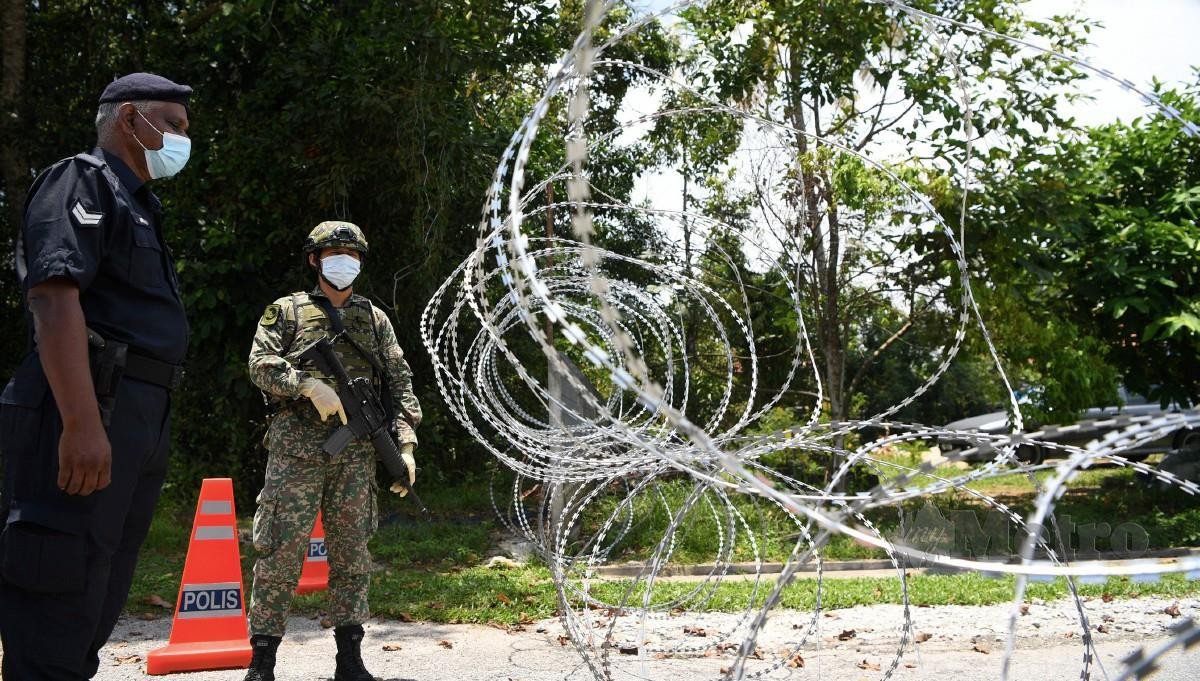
(300, 477)
(85, 420)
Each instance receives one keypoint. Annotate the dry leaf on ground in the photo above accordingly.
(155, 599)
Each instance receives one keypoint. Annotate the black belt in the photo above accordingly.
(153, 371)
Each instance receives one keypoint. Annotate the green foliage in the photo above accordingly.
(1100, 231)
(876, 280)
(390, 115)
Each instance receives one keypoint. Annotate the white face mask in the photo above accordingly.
(171, 158)
(340, 270)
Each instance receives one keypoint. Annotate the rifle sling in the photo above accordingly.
(335, 320)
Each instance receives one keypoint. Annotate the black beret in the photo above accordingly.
(145, 86)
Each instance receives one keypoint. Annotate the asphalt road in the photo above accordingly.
(1048, 646)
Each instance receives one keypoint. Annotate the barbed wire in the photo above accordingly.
(627, 433)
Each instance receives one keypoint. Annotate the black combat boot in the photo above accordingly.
(262, 665)
(350, 666)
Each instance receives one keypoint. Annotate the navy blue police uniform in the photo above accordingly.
(67, 561)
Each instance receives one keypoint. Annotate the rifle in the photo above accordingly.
(366, 418)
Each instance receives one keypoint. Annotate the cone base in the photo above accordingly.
(311, 587)
(195, 657)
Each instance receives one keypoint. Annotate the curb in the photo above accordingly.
(775, 568)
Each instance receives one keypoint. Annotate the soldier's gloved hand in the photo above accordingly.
(324, 398)
(406, 453)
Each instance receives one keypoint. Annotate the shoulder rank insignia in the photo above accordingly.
(270, 315)
(83, 216)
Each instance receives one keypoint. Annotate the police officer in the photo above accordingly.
(84, 422)
(301, 478)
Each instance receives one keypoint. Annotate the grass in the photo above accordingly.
(432, 571)
(1104, 496)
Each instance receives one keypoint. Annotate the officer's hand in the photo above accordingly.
(406, 453)
(84, 460)
(324, 398)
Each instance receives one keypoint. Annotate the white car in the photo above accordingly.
(997, 423)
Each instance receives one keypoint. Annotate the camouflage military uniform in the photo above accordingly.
(300, 478)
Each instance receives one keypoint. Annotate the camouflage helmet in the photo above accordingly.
(335, 234)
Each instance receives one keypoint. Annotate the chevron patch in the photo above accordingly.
(84, 217)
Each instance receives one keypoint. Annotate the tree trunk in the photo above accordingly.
(689, 327)
(817, 204)
(14, 168)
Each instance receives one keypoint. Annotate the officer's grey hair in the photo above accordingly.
(106, 115)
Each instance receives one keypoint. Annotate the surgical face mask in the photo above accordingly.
(340, 270)
(171, 158)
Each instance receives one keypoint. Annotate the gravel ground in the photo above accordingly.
(964, 643)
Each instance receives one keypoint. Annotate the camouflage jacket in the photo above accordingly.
(287, 326)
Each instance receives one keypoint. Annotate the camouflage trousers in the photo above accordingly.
(345, 491)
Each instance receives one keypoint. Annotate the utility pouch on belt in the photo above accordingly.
(108, 360)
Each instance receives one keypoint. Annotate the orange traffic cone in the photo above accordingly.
(314, 576)
(209, 631)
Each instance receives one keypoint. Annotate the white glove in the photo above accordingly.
(324, 398)
(406, 453)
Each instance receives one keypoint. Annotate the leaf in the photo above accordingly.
(922, 636)
(445, 644)
(128, 659)
(391, 647)
(503, 599)
(695, 631)
(1172, 610)
(404, 617)
(155, 599)
(795, 661)
(869, 666)
(846, 635)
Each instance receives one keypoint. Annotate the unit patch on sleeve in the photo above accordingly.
(270, 315)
